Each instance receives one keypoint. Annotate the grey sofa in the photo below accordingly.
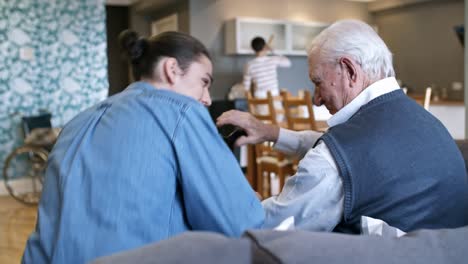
(266, 246)
(425, 246)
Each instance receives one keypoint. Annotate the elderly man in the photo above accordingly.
(384, 156)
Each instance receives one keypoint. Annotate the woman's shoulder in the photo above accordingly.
(144, 93)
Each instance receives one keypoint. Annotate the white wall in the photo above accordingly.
(425, 47)
(207, 23)
(452, 117)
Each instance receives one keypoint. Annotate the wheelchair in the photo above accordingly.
(24, 167)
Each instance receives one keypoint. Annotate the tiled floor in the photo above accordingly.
(16, 223)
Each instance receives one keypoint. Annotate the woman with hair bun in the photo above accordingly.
(143, 165)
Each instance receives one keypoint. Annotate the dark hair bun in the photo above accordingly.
(132, 44)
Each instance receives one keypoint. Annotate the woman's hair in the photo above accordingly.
(144, 54)
(359, 41)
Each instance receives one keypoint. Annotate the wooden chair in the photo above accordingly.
(299, 112)
(423, 100)
(263, 109)
(267, 159)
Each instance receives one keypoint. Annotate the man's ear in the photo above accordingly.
(171, 70)
(350, 68)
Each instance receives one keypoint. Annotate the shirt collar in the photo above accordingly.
(373, 91)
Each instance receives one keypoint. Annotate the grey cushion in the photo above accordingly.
(190, 247)
(267, 246)
(436, 246)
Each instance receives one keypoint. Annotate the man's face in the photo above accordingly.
(330, 83)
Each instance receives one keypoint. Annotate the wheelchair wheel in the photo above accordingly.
(23, 173)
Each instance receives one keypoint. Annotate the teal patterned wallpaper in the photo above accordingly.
(53, 57)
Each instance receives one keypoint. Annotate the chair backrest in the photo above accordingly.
(39, 121)
(298, 111)
(262, 108)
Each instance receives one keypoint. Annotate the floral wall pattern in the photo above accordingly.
(52, 57)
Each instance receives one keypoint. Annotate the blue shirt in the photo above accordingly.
(139, 167)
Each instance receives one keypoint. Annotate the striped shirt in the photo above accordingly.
(262, 72)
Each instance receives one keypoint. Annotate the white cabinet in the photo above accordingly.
(302, 34)
(290, 38)
(239, 32)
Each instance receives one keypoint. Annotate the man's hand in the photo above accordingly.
(257, 131)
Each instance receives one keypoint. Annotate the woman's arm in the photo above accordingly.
(217, 196)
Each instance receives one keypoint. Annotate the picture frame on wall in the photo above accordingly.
(168, 23)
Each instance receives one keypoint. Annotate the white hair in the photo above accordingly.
(359, 41)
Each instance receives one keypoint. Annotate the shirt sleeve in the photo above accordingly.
(296, 142)
(314, 195)
(247, 80)
(282, 61)
(216, 194)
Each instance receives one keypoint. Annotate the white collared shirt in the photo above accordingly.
(314, 195)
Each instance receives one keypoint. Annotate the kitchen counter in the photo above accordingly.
(450, 112)
(452, 115)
